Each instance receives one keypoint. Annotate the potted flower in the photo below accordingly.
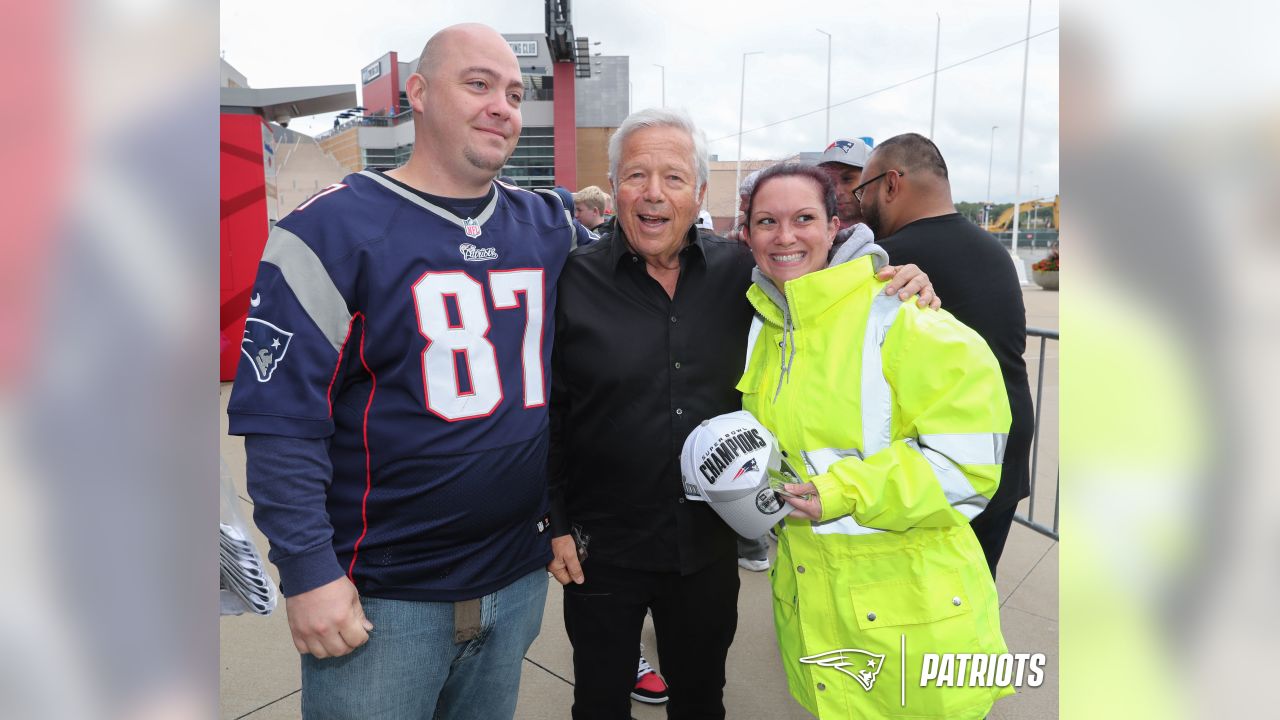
(1045, 272)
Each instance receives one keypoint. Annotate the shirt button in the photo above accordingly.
(800, 569)
(681, 501)
(821, 686)
(673, 318)
(635, 259)
(679, 411)
(871, 616)
(677, 366)
(955, 601)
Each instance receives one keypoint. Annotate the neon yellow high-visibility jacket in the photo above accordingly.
(898, 416)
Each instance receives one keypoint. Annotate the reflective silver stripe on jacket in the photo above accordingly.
(877, 401)
(757, 324)
(818, 462)
(954, 483)
(310, 283)
(968, 448)
(877, 409)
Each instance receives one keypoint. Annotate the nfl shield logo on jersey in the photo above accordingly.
(471, 227)
(265, 345)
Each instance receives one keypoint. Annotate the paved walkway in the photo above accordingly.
(260, 676)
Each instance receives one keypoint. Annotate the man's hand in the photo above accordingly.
(810, 509)
(908, 280)
(564, 565)
(328, 621)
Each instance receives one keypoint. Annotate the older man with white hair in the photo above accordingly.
(651, 328)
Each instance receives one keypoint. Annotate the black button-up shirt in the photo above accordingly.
(633, 373)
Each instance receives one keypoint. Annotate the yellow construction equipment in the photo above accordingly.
(1005, 221)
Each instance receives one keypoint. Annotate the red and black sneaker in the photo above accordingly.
(649, 685)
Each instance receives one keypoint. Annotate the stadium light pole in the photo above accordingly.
(742, 105)
(664, 83)
(1022, 123)
(986, 219)
(937, 46)
(826, 137)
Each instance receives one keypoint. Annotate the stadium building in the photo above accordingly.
(570, 110)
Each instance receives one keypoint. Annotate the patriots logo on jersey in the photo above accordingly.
(265, 345)
(471, 253)
(748, 466)
(844, 145)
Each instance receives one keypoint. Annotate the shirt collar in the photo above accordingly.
(695, 244)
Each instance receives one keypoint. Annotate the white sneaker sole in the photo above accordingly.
(647, 700)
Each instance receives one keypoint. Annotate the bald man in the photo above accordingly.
(393, 400)
(906, 199)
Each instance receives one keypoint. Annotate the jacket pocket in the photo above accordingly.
(910, 601)
(930, 613)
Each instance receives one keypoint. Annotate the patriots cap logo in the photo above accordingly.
(749, 466)
(860, 665)
(265, 345)
(844, 145)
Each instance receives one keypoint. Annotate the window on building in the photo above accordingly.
(533, 164)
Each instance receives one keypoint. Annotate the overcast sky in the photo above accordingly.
(877, 44)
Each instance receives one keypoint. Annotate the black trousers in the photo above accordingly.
(992, 529)
(694, 618)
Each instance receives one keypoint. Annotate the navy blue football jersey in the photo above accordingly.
(418, 344)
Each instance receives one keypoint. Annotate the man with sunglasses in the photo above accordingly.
(906, 200)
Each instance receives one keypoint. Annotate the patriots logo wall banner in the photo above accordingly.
(749, 466)
(860, 665)
(265, 345)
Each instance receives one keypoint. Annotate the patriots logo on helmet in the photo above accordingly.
(867, 667)
(265, 345)
(844, 145)
(749, 466)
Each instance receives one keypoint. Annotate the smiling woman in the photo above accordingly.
(897, 419)
(793, 225)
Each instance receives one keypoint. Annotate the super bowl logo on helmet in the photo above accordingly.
(265, 345)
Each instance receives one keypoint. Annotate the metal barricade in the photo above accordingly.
(1029, 521)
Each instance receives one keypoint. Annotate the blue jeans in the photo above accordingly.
(411, 668)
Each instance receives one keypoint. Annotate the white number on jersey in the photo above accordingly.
(469, 338)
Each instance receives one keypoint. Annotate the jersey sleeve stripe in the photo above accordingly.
(310, 283)
(568, 215)
(368, 460)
